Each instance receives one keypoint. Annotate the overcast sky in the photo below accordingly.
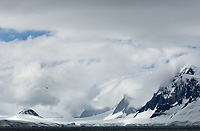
(89, 53)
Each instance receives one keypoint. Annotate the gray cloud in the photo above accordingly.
(81, 75)
(148, 22)
(96, 52)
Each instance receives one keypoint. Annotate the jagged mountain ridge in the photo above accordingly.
(122, 107)
(182, 90)
(175, 99)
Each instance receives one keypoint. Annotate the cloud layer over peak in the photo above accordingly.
(93, 52)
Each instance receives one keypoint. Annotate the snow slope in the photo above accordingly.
(175, 103)
(27, 117)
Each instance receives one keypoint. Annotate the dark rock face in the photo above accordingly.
(93, 112)
(29, 112)
(10, 123)
(189, 71)
(183, 86)
(124, 106)
(20, 125)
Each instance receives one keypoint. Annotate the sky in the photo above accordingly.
(61, 57)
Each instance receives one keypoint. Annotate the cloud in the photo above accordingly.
(84, 75)
(96, 52)
(156, 22)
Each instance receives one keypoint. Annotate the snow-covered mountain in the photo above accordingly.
(29, 112)
(27, 118)
(124, 107)
(175, 103)
(178, 98)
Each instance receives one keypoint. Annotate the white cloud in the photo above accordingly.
(95, 53)
(75, 73)
(154, 22)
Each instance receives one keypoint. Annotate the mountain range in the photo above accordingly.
(175, 103)
(183, 90)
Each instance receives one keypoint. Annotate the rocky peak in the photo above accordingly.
(29, 112)
(184, 86)
(124, 106)
(189, 70)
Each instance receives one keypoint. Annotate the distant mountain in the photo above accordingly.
(28, 118)
(182, 90)
(29, 112)
(93, 112)
(175, 103)
(124, 106)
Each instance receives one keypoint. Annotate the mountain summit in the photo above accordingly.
(29, 112)
(124, 106)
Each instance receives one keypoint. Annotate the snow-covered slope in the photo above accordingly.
(177, 100)
(124, 106)
(175, 103)
(122, 109)
(27, 117)
(29, 112)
